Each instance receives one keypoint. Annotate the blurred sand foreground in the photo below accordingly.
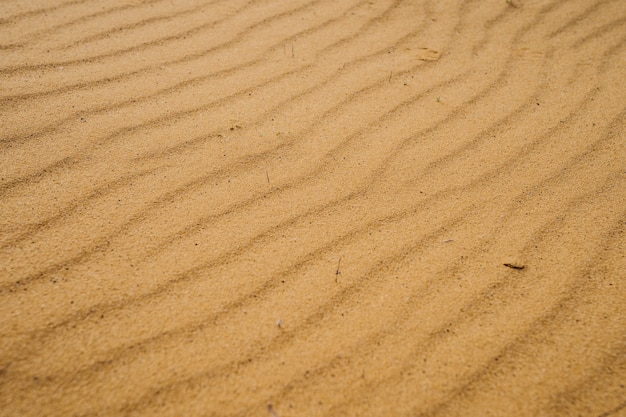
(312, 208)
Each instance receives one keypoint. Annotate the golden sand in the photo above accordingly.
(312, 208)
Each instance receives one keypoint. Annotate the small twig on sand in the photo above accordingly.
(267, 174)
(271, 410)
(338, 271)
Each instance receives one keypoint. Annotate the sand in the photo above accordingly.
(312, 208)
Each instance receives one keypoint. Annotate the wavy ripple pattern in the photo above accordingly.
(313, 207)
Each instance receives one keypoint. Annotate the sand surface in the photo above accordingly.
(312, 208)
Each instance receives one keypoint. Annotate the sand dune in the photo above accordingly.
(312, 208)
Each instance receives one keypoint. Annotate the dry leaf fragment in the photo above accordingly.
(427, 54)
(514, 266)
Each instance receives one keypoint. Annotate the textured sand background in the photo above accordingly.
(207, 207)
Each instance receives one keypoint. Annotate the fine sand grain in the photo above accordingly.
(312, 208)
